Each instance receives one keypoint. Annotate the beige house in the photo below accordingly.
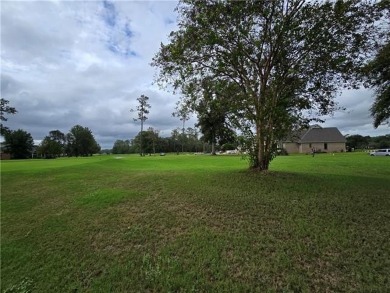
(320, 139)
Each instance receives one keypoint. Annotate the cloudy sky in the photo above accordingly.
(85, 62)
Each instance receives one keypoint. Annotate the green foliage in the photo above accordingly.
(53, 145)
(153, 143)
(358, 141)
(378, 73)
(183, 112)
(379, 142)
(19, 144)
(277, 64)
(5, 109)
(149, 139)
(213, 120)
(365, 142)
(121, 147)
(142, 110)
(81, 142)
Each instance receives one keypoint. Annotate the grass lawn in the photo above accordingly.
(196, 224)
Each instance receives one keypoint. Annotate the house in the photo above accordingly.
(327, 139)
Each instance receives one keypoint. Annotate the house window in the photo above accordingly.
(309, 145)
(325, 146)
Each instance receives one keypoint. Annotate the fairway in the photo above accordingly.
(186, 223)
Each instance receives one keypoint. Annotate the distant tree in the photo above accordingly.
(212, 120)
(19, 144)
(150, 140)
(379, 142)
(175, 137)
(81, 142)
(153, 135)
(121, 147)
(58, 136)
(193, 142)
(142, 111)
(49, 148)
(286, 60)
(52, 145)
(358, 141)
(5, 109)
(183, 111)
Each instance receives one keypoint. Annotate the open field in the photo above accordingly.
(196, 224)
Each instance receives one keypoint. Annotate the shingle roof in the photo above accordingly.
(329, 134)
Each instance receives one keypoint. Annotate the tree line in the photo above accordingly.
(79, 141)
(360, 142)
(179, 141)
(212, 124)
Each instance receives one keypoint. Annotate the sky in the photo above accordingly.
(65, 63)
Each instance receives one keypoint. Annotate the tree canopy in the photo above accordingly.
(19, 144)
(5, 109)
(81, 142)
(212, 120)
(277, 64)
(378, 72)
(53, 145)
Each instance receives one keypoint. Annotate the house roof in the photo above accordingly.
(329, 134)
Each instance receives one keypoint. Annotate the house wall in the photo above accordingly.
(291, 147)
(336, 147)
(320, 146)
(306, 148)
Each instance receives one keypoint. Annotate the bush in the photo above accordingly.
(281, 152)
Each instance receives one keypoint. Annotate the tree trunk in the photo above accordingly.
(182, 137)
(213, 149)
(140, 147)
(213, 146)
(261, 160)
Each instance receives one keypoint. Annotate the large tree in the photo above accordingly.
(378, 72)
(282, 62)
(81, 142)
(213, 120)
(53, 145)
(142, 110)
(149, 139)
(121, 147)
(19, 144)
(5, 109)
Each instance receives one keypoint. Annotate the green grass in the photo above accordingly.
(196, 224)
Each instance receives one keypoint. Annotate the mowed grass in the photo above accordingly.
(196, 224)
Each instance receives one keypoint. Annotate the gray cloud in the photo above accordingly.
(356, 118)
